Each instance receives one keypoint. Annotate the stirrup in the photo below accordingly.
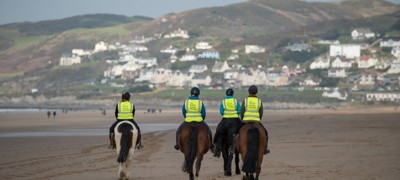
(230, 150)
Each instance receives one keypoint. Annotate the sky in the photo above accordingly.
(12, 11)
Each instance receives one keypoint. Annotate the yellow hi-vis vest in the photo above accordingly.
(125, 109)
(230, 106)
(193, 110)
(252, 106)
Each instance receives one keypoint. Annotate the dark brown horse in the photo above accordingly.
(251, 144)
(193, 143)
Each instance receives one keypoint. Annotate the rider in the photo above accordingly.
(193, 110)
(229, 110)
(124, 111)
(252, 111)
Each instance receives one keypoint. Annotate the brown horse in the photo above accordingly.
(193, 143)
(251, 144)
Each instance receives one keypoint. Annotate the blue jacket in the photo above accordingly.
(203, 108)
(221, 107)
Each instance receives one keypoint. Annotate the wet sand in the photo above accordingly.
(305, 144)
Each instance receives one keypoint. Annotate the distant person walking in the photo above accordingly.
(48, 114)
(54, 114)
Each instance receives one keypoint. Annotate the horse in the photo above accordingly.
(251, 143)
(125, 139)
(194, 143)
(226, 140)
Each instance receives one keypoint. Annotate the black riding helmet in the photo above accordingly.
(229, 92)
(253, 89)
(195, 91)
(126, 95)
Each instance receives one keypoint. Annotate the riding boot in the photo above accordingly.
(139, 142)
(176, 147)
(112, 141)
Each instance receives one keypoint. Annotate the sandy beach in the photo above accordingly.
(305, 144)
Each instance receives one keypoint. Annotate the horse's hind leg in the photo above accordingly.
(198, 164)
(237, 162)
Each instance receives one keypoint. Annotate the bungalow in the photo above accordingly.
(169, 50)
(220, 67)
(298, 47)
(253, 49)
(362, 33)
(335, 94)
(198, 68)
(81, 52)
(188, 57)
(387, 97)
(203, 45)
(310, 81)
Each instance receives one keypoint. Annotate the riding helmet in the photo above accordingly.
(253, 89)
(195, 91)
(229, 92)
(126, 95)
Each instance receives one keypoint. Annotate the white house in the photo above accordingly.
(337, 73)
(321, 63)
(118, 69)
(203, 45)
(328, 42)
(349, 51)
(169, 50)
(136, 48)
(366, 62)
(310, 82)
(209, 55)
(250, 77)
(277, 79)
(220, 67)
(233, 57)
(389, 97)
(253, 49)
(341, 62)
(230, 77)
(390, 42)
(177, 33)
(161, 76)
(362, 33)
(335, 94)
(100, 46)
(81, 52)
(396, 51)
(394, 67)
(146, 74)
(69, 59)
(383, 64)
(201, 80)
(179, 79)
(367, 78)
(188, 57)
(298, 47)
(141, 40)
(198, 68)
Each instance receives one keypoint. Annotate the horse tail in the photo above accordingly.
(250, 160)
(190, 154)
(126, 142)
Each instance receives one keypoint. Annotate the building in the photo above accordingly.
(253, 49)
(321, 63)
(208, 55)
(298, 47)
(341, 62)
(350, 51)
(203, 45)
(220, 67)
(366, 62)
(362, 33)
(198, 68)
(69, 59)
(390, 42)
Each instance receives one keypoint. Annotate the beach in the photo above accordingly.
(362, 143)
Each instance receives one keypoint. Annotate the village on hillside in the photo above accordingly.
(366, 63)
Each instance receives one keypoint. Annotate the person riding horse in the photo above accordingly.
(252, 111)
(193, 110)
(229, 110)
(124, 111)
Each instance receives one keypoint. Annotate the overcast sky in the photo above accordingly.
(12, 11)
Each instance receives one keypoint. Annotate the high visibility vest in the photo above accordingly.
(193, 110)
(230, 106)
(251, 109)
(125, 109)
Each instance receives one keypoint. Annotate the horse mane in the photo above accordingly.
(190, 153)
(126, 141)
(251, 158)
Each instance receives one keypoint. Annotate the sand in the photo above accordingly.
(305, 144)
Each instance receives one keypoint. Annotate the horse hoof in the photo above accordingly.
(237, 171)
(228, 173)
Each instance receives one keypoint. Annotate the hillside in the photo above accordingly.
(30, 52)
